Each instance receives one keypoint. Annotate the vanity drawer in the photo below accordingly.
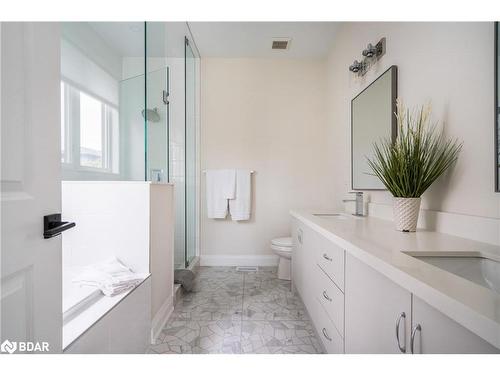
(330, 258)
(332, 341)
(332, 299)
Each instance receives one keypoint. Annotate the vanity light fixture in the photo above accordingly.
(370, 51)
(371, 55)
(356, 66)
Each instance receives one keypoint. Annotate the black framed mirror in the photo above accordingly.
(497, 113)
(373, 117)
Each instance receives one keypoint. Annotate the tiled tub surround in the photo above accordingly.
(238, 312)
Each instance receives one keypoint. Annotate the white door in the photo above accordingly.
(31, 293)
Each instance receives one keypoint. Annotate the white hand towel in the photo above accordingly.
(220, 186)
(112, 277)
(240, 207)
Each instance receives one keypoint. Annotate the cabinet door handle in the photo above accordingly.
(326, 334)
(327, 297)
(412, 339)
(325, 255)
(402, 348)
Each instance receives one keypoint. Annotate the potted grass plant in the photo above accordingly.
(409, 165)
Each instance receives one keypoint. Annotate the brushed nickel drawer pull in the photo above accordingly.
(326, 334)
(325, 255)
(326, 296)
(412, 338)
(402, 348)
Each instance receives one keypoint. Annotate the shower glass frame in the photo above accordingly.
(190, 151)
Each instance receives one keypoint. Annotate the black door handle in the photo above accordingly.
(53, 226)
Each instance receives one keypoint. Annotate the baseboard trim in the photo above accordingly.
(478, 228)
(238, 260)
(160, 319)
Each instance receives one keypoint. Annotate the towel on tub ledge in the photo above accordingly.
(112, 277)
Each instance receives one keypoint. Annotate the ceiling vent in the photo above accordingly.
(281, 43)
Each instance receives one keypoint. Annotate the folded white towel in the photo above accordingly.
(220, 186)
(241, 205)
(112, 277)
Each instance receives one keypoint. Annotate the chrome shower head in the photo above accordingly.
(151, 115)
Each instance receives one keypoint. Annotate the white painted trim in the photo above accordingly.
(160, 318)
(239, 260)
(478, 228)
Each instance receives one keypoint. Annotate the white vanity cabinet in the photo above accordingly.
(438, 334)
(357, 309)
(373, 307)
(324, 300)
(297, 257)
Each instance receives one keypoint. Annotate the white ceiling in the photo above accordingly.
(220, 39)
(125, 38)
(254, 39)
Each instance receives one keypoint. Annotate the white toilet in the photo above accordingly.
(283, 248)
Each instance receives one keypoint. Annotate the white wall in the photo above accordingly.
(82, 36)
(269, 116)
(162, 255)
(290, 121)
(450, 64)
(112, 219)
(81, 70)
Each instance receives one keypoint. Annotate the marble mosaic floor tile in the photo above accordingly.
(279, 337)
(219, 336)
(210, 309)
(219, 279)
(238, 312)
(272, 311)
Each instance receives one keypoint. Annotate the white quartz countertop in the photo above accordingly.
(379, 245)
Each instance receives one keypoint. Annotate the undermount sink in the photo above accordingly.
(479, 270)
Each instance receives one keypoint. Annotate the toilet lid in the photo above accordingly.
(283, 242)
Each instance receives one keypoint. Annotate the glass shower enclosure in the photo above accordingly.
(172, 66)
(129, 111)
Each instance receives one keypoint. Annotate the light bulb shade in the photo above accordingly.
(370, 51)
(356, 66)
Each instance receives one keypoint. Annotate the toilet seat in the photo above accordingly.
(285, 242)
(284, 249)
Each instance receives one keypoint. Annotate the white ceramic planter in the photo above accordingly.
(406, 213)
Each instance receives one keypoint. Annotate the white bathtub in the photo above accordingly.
(95, 323)
(112, 220)
(76, 298)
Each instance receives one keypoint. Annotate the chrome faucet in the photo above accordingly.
(358, 200)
